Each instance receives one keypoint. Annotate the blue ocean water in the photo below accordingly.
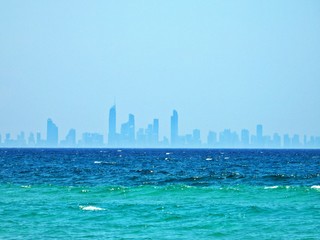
(159, 194)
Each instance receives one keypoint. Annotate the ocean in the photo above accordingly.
(159, 194)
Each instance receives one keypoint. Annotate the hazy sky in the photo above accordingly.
(220, 64)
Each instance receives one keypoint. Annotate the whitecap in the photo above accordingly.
(26, 186)
(97, 162)
(168, 153)
(91, 208)
(271, 187)
(208, 158)
(226, 158)
(315, 187)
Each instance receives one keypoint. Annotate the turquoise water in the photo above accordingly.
(80, 203)
(166, 212)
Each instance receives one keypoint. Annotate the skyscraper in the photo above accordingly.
(286, 141)
(31, 140)
(112, 135)
(296, 141)
(212, 138)
(155, 131)
(52, 134)
(131, 129)
(127, 135)
(196, 140)
(259, 136)
(39, 140)
(174, 128)
(245, 138)
(71, 138)
(276, 140)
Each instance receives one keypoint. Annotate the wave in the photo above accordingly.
(50, 188)
(91, 208)
(271, 187)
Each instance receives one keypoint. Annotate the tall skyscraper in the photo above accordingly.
(71, 138)
(52, 134)
(196, 139)
(174, 128)
(245, 136)
(112, 134)
(131, 129)
(155, 131)
(259, 136)
(127, 135)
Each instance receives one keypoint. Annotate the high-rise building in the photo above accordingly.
(131, 128)
(196, 138)
(141, 137)
(276, 140)
(112, 134)
(149, 134)
(228, 139)
(149, 137)
(52, 134)
(305, 142)
(71, 138)
(286, 141)
(245, 136)
(155, 132)
(296, 141)
(174, 128)
(21, 141)
(8, 140)
(128, 132)
(212, 138)
(31, 140)
(259, 135)
(39, 142)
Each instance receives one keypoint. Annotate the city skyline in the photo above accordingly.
(221, 64)
(130, 136)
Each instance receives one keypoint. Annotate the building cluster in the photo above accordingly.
(149, 137)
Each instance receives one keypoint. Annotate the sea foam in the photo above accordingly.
(271, 187)
(91, 208)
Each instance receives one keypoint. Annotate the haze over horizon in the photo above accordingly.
(220, 64)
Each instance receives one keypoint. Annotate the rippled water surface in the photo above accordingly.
(159, 194)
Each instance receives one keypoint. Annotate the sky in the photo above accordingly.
(220, 63)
